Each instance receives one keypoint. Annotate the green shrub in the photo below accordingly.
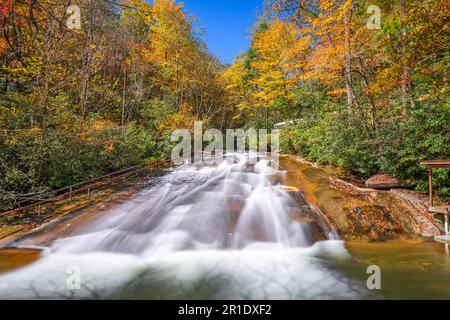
(396, 148)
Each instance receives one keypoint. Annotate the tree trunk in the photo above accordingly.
(177, 75)
(373, 116)
(124, 92)
(85, 77)
(405, 80)
(348, 61)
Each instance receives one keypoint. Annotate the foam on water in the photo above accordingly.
(221, 231)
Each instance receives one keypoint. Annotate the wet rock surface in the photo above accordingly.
(360, 213)
(324, 200)
(111, 244)
(13, 258)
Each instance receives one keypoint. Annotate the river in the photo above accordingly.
(223, 231)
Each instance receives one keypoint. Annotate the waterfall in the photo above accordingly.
(225, 206)
(227, 230)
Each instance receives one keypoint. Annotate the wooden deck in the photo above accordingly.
(436, 163)
(444, 210)
(443, 239)
(440, 210)
(433, 164)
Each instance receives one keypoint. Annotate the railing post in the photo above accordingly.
(430, 182)
(39, 210)
(79, 187)
(446, 223)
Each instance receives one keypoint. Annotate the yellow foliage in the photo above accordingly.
(171, 39)
(183, 119)
(280, 49)
(383, 80)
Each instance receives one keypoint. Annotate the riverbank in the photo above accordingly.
(354, 211)
(60, 218)
(357, 212)
(226, 232)
(23, 246)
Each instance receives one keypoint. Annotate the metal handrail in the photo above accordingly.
(60, 194)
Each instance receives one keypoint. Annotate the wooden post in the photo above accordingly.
(39, 210)
(430, 184)
(70, 193)
(431, 165)
(446, 224)
(89, 193)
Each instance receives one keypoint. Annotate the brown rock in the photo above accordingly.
(383, 181)
(13, 258)
(357, 213)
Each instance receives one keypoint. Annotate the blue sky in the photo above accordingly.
(226, 23)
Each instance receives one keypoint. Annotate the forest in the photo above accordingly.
(76, 104)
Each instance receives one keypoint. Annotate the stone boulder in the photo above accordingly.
(383, 181)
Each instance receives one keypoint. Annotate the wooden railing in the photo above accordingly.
(87, 187)
(433, 164)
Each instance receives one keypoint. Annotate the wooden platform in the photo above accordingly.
(440, 210)
(436, 163)
(443, 239)
(432, 164)
(445, 210)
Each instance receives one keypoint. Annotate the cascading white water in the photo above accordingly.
(229, 206)
(220, 231)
